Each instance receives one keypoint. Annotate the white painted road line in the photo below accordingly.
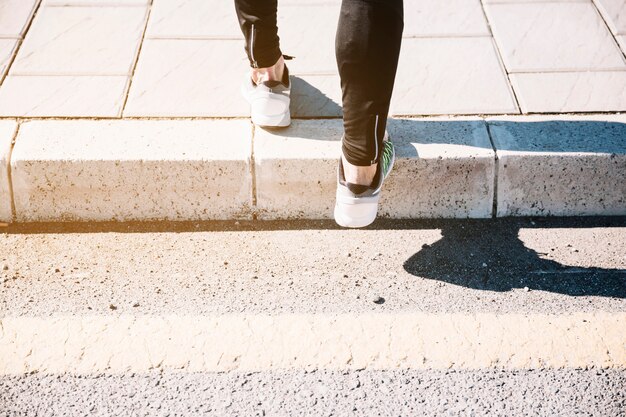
(119, 344)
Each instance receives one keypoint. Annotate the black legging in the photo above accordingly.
(367, 47)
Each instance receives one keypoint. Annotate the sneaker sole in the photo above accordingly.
(279, 120)
(355, 215)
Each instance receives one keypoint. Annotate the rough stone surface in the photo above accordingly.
(63, 96)
(15, 16)
(451, 76)
(444, 168)
(553, 36)
(7, 132)
(121, 170)
(81, 41)
(560, 166)
(571, 92)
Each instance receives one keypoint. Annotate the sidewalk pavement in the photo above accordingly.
(147, 60)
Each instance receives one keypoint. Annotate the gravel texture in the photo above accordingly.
(592, 392)
(503, 265)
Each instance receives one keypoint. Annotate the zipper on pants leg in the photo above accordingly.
(251, 47)
(375, 141)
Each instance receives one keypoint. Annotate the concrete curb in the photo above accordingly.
(447, 167)
(132, 170)
(560, 166)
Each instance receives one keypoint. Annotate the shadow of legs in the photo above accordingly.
(490, 256)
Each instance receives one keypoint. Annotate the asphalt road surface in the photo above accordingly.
(557, 267)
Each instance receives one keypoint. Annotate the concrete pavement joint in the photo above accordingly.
(20, 42)
(132, 73)
(500, 59)
(495, 173)
(608, 28)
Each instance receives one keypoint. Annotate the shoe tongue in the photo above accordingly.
(357, 188)
(274, 83)
(271, 84)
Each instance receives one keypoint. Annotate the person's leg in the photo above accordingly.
(257, 19)
(367, 47)
(268, 86)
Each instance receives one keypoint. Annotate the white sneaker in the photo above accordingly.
(357, 205)
(269, 101)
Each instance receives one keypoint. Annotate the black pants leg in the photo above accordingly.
(257, 19)
(367, 46)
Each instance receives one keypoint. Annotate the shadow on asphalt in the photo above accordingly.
(495, 259)
(457, 258)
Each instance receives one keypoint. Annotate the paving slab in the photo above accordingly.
(62, 96)
(81, 41)
(444, 168)
(316, 96)
(7, 132)
(532, 1)
(571, 91)
(553, 37)
(451, 76)
(95, 2)
(614, 12)
(193, 19)
(308, 33)
(7, 48)
(214, 20)
(15, 16)
(560, 165)
(183, 78)
(123, 170)
(427, 18)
